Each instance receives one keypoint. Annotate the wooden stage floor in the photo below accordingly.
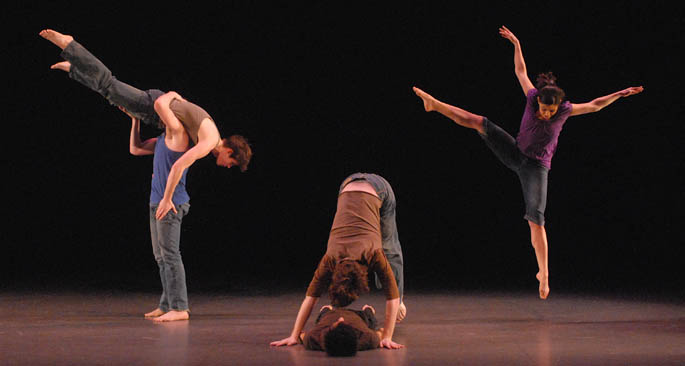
(441, 329)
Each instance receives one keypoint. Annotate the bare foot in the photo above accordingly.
(428, 100)
(60, 40)
(155, 313)
(544, 285)
(401, 312)
(64, 66)
(173, 315)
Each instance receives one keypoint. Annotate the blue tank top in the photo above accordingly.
(164, 159)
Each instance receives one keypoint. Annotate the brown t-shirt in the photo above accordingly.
(366, 337)
(355, 235)
(190, 115)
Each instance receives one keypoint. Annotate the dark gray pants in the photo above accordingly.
(91, 72)
(532, 174)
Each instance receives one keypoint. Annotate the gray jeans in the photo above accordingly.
(91, 72)
(166, 241)
(389, 236)
(532, 174)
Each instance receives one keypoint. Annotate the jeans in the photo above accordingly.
(389, 236)
(91, 72)
(166, 240)
(532, 174)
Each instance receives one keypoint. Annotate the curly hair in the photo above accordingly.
(348, 282)
(341, 341)
(242, 152)
(548, 91)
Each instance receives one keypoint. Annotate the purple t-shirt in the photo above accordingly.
(538, 138)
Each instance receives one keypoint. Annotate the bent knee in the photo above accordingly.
(477, 123)
(536, 223)
(535, 218)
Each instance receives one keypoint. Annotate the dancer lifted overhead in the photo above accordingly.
(530, 154)
(363, 238)
(152, 107)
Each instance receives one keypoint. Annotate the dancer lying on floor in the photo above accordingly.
(343, 332)
(363, 226)
(530, 154)
(153, 106)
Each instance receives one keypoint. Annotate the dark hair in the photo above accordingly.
(341, 341)
(242, 152)
(548, 91)
(348, 282)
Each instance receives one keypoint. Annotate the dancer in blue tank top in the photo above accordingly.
(153, 107)
(165, 232)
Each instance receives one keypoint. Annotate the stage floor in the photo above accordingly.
(441, 329)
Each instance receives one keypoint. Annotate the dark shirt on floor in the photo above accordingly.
(367, 337)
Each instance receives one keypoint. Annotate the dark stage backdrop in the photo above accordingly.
(323, 91)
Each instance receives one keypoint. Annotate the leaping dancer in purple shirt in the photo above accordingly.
(530, 154)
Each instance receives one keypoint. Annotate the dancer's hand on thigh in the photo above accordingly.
(163, 208)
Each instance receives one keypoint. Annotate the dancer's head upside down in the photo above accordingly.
(348, 282)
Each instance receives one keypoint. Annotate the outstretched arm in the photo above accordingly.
(379, 264)
(519, 63)
(604, 101)
(135, 146)
(302, 316)
(391, 307)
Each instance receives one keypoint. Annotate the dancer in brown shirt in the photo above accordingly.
(355, 236)
(343, 332)
(354, 247)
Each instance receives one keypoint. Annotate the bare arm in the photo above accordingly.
(302, 316)
(379, 264)
(601, 102)
(519, 63)
(176, 172)
(135, 146)
(208, 139)
(391, 307)
(165, 113)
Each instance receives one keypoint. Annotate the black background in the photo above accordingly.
(323, 91)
